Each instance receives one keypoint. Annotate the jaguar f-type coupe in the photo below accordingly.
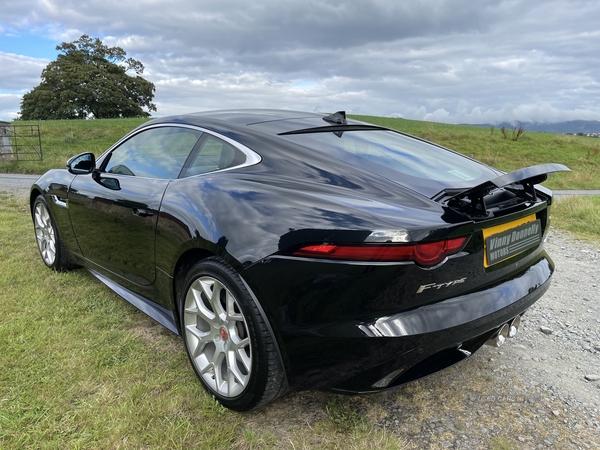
(297, 251)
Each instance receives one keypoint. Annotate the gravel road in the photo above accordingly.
(16, 184)
(540, 390)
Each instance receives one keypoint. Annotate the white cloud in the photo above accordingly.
(20, 73)
(537, 113)
(444, 60)
(9, 105)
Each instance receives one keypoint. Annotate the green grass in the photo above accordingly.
(81, 368)
(576, 152)
(62, 139)
(580, 215)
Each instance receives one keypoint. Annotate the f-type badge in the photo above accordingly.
(438, 286)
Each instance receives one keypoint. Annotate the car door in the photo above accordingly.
(114, 210)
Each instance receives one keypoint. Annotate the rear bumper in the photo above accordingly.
(465, 309)
(437, 350)
(354, 356)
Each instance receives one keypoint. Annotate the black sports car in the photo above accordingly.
(301, 251)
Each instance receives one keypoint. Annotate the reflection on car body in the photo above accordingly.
(300, 251)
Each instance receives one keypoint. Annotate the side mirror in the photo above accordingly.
(110, 183)
(81, 164)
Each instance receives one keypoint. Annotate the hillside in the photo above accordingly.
(572, 127)
(580, 154)
(63, 139)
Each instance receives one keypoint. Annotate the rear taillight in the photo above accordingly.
(426, 254)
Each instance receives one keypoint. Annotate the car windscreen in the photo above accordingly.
(419, 165)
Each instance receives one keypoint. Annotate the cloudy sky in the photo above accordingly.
(456, 61)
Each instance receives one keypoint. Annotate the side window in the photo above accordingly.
(154, 153)
(213, 154)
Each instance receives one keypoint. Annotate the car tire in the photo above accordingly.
(50, 245)
(228, 340)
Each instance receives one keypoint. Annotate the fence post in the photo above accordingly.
(6, 151)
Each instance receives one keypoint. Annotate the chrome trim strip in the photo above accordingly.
(342, 261)
(252, 157)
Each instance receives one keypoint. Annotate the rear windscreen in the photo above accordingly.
(416, 164)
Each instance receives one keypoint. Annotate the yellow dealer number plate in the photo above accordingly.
(509, 239)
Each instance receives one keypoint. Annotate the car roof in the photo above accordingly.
(254, 116)
(285, 141)
(269, 121)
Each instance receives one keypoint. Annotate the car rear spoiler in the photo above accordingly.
(521, 182)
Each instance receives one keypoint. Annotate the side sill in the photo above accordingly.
(148, 307)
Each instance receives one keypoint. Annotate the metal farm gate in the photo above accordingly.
(20, 142)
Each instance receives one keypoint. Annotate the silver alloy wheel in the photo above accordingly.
(44, 234)
(217, 337)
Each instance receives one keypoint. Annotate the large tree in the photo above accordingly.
(89, 79)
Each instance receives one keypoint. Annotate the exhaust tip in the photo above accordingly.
(387, 379)
(514, 326)
(500, 337)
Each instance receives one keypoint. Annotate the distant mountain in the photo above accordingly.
(574, 126)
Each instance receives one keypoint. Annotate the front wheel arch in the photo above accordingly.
(49, 242)
(34, 194)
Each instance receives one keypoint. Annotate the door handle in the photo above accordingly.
(142, 212)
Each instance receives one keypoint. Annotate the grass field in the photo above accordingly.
(62, 139)
(81, 368)
(65, 138)
(580, 215)
(579, 153)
